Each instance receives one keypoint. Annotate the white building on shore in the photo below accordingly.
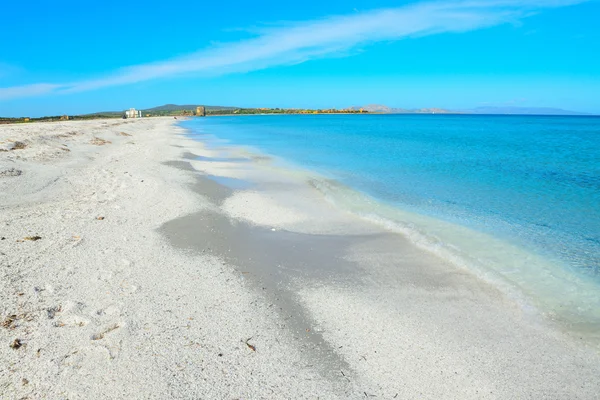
(133, 113)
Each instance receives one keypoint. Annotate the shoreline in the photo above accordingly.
(190, 286)
(268, 186)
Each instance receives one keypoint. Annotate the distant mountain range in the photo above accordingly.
(379, 108)
(524, 111)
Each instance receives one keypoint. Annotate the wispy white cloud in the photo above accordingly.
(303, 41)
(35, 89)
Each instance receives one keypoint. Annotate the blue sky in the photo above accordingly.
(71, 57)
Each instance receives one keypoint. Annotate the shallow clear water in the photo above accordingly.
(517, 197)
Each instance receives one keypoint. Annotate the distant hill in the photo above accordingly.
(380, 108)
(523, 111)
(377, 108)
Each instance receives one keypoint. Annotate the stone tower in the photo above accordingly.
(200, 111)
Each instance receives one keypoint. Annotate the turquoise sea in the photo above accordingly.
(516, 199)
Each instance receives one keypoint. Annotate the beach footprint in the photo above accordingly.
(69, 315)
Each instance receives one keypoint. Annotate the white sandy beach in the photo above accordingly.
(127, 273)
